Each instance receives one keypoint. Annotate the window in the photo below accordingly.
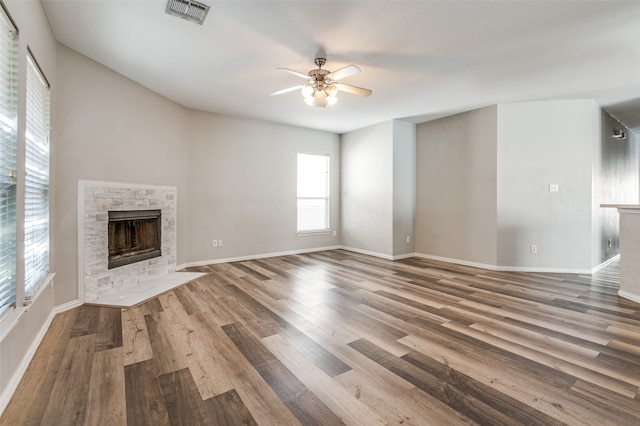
(8, 163)
(36, 198)
(313, 193)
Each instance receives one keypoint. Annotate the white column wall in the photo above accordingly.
(404, 188)
(367, 190)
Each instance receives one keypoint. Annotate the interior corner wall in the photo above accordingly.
(404, 187)
(618, 169)
(456, 188)
(242, 177)
(543, 143)
(109, 128)
(367, 190)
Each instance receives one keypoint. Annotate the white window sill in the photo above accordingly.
(312, 233)
(48, 280)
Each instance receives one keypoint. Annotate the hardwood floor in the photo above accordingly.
(341, 338)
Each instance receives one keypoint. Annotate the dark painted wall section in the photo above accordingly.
(619, 180)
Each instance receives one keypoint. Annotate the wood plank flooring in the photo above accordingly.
(335, 337)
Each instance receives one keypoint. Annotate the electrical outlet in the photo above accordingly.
(214, 244)
(408, 239)
(219, 243)
(610, 243)
(534, 249)
(335, 233)
(554, 187)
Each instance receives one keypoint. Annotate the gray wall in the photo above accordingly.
(456, 187)
(619, 177)
(367, 189)
(112, 129)
(242, 186)
(543, 143)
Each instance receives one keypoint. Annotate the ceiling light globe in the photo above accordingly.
(332, 91)
(307, 91)
(320, 99)
(331, 100)
(309, 100)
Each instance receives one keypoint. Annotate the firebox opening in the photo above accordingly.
(133, 236)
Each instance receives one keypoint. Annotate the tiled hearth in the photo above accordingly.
(130, 284)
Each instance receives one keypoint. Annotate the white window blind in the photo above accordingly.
(8, 164)
(36, 208)
(313, 192)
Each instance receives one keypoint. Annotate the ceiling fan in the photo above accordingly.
(322, 85)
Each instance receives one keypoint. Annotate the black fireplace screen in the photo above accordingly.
(133, 236)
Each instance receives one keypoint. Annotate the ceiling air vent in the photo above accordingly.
(188, 9)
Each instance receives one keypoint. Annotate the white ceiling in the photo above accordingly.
(422, 59)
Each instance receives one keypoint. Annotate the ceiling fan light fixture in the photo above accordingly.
(322, 86)
(307, 91)
(320, 99)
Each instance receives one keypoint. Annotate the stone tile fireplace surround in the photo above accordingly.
(137, 281)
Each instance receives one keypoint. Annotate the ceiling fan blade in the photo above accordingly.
(294, 72)
(290, 89)
(343, 72)
(353, 89)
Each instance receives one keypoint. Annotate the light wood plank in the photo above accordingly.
(136, 344)
(106, 404)
(342, 403)
(68, 398)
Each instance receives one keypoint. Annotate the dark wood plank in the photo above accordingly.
(145, 403)
(228, 409)
(109, 331)
(87, 321)
(182, 400)
(307, 408)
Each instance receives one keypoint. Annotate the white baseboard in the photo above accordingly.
(458, 261)
(404, 256)
(605, 263)
(506, 268)
(257, 256)
(367, 252)
(629, 296)
(26, 360)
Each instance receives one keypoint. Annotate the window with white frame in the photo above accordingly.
(36, 198)
(313, 193)
(8, 161)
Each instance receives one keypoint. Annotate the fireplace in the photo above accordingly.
(134, 235)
